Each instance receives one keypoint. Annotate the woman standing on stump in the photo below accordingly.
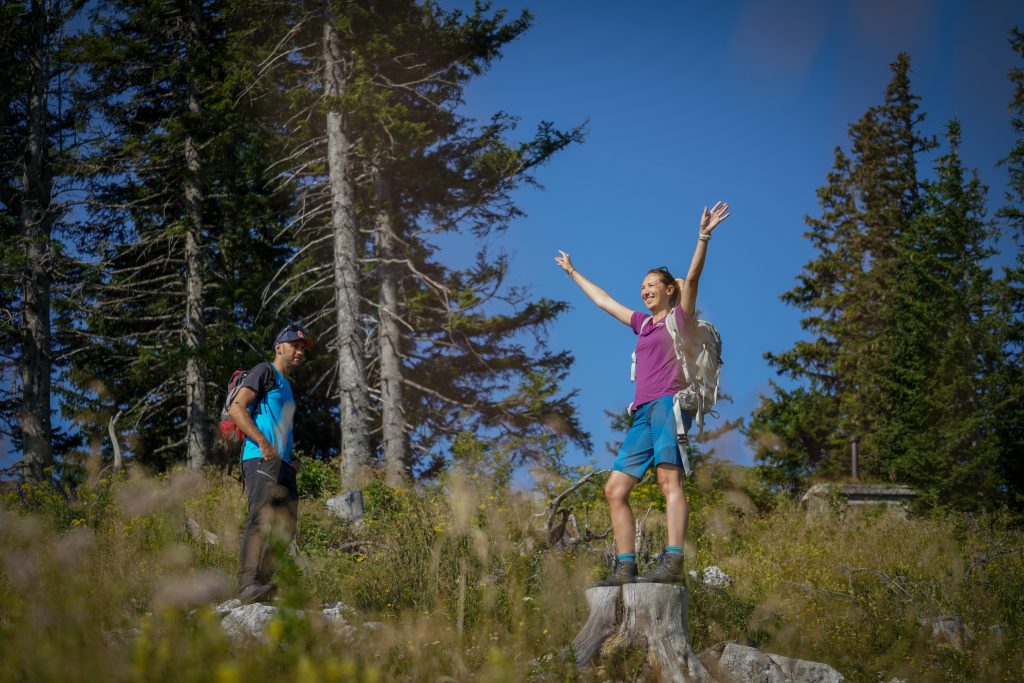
(651, 440)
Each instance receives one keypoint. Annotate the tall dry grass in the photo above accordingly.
(110, 584)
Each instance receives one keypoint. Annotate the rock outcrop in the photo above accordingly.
(712, 577)
(347, 506)
(249, 622)
(734, 663)
(949, 630)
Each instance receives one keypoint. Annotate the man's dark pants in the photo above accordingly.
(273, 512)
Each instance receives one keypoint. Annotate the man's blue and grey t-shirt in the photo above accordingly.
(272, 410)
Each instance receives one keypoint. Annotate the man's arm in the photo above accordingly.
(239, 412)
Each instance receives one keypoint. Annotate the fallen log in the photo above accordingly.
(647, 616)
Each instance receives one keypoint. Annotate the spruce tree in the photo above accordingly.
(38, 148)
(945, 344)
(1010, 390)
(907, 319)
(885, 145)
(434, 360)
(180, 179)
(851, 293)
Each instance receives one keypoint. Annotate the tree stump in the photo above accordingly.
(650, 616)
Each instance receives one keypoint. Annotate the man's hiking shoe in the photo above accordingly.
(669, 570)
(625, 572)
(257, 592)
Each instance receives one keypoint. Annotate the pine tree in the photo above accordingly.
(38, 116)
(885, 145)
(181, 178)
(415, 168)
(907, 318)
(872, 195)
(1010, 389)
(945, 346)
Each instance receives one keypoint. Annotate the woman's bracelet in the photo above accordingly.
(704, 236)
(571, 273)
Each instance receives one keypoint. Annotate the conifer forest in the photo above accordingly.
(181, 180)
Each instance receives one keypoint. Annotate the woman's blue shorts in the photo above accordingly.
(651, 440)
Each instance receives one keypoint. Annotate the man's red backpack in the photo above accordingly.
(231, 433)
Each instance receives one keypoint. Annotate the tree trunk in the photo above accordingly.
(355, 448)
(396, 456)
(198, 432)
(195, 387)
(649, 616)
(36, 226)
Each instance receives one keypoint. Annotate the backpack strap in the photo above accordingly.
(681, 437)
(679, 345)
(260, 396)
(254, 404)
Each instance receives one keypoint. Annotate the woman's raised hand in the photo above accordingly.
(709, 220)
(596, 294)
(566, 264)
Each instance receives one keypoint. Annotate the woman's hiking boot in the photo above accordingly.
(669, 570)
(625, 572)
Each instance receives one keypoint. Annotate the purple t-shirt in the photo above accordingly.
(657, 370)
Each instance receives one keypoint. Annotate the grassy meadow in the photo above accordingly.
(108, 583)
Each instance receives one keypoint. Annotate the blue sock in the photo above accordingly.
(627, 557)
(674, 549)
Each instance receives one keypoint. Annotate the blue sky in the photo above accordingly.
(689, 103)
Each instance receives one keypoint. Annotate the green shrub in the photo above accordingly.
(317, 479)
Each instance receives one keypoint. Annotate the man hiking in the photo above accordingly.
(263, 409)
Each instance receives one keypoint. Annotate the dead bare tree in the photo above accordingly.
(396, 452)
(561, 521)
(379, 161)
(197, 421)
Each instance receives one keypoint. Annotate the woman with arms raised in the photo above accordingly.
(651, 440)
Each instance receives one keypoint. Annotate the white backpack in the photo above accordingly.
(701, 370)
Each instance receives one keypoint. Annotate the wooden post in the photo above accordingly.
(112, 431)
(854, 454)
(649, 616)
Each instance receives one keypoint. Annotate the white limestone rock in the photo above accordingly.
(226, 606)
(347, 506)
(741, 664)
(200, 534)
(246, 622)
(713, 576)
(335, 615)
(950, 630)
